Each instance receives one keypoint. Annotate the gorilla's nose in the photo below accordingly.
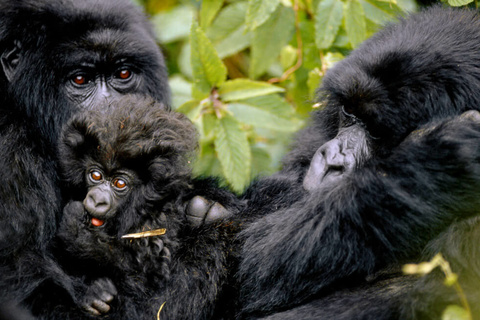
(336, 158)
(97, 202)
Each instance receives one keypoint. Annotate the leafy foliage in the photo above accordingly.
(245, 71)
(452, 312)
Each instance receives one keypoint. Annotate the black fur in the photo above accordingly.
(328, 251)
(43, 46)
(187, 267)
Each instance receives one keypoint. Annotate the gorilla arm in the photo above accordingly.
(356, 224)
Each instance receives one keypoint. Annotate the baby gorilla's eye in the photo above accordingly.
(79, 79)
(119, 184)
(96, 175)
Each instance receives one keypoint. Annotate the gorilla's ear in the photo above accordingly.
(10, 60)
(73, 138)
(77, 139)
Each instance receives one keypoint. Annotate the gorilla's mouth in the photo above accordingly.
(93, 221)
(96, 222)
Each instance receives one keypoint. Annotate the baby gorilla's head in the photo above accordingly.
(126, 161)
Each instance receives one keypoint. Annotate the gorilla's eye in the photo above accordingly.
(349, 118)
(119, 184)
(80, 79)
(96, 175)
(348, 110)
(124, 74)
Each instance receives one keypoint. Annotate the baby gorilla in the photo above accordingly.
(125, 234)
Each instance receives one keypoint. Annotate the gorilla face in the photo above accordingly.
(63, 60)
(390, 87)
(125, 160)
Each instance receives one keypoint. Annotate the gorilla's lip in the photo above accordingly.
(94, 221)
(97, 222)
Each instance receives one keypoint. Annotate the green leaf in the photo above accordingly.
(454, 312)
(174, 24)
(331, 58)
(379, 12)
(261, 162)
(314, 79)
(355, 24)
(227, 32)
(208, 70)
(236, 42)
(288, 56)
(209, 124)
(191, 109)
(459, 3)
(328, 18)
(260, 118)
(269, 39)
(240, 89)
(228, 20)
(407, 5)
(311, 58)
(207, 164)
(233, 150)
(259, 11)
(272, 103)
(208, 11)
(342, 41)
(181, 90)
(199, 93)
(184, 60)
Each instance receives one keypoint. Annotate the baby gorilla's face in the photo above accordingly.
(106, 192)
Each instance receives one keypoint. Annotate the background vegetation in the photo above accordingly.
(245, 71)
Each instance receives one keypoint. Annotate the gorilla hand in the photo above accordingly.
(73, 212)
(98, 297)
(200, 211)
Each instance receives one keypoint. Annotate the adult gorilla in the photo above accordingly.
(388, 169)
(57, 57)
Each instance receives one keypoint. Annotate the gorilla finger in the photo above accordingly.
(108, 287)
(100, 306)
(91, 310)
(197, 210)
(217, 211)
(106, 297)
(472, 115)
(314, 177)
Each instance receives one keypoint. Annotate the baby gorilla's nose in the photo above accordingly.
(98, 202)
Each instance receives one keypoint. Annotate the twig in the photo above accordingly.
(145, 234)
(159, 310)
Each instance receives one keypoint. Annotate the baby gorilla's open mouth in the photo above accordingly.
(96, 222)
(93, 221)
